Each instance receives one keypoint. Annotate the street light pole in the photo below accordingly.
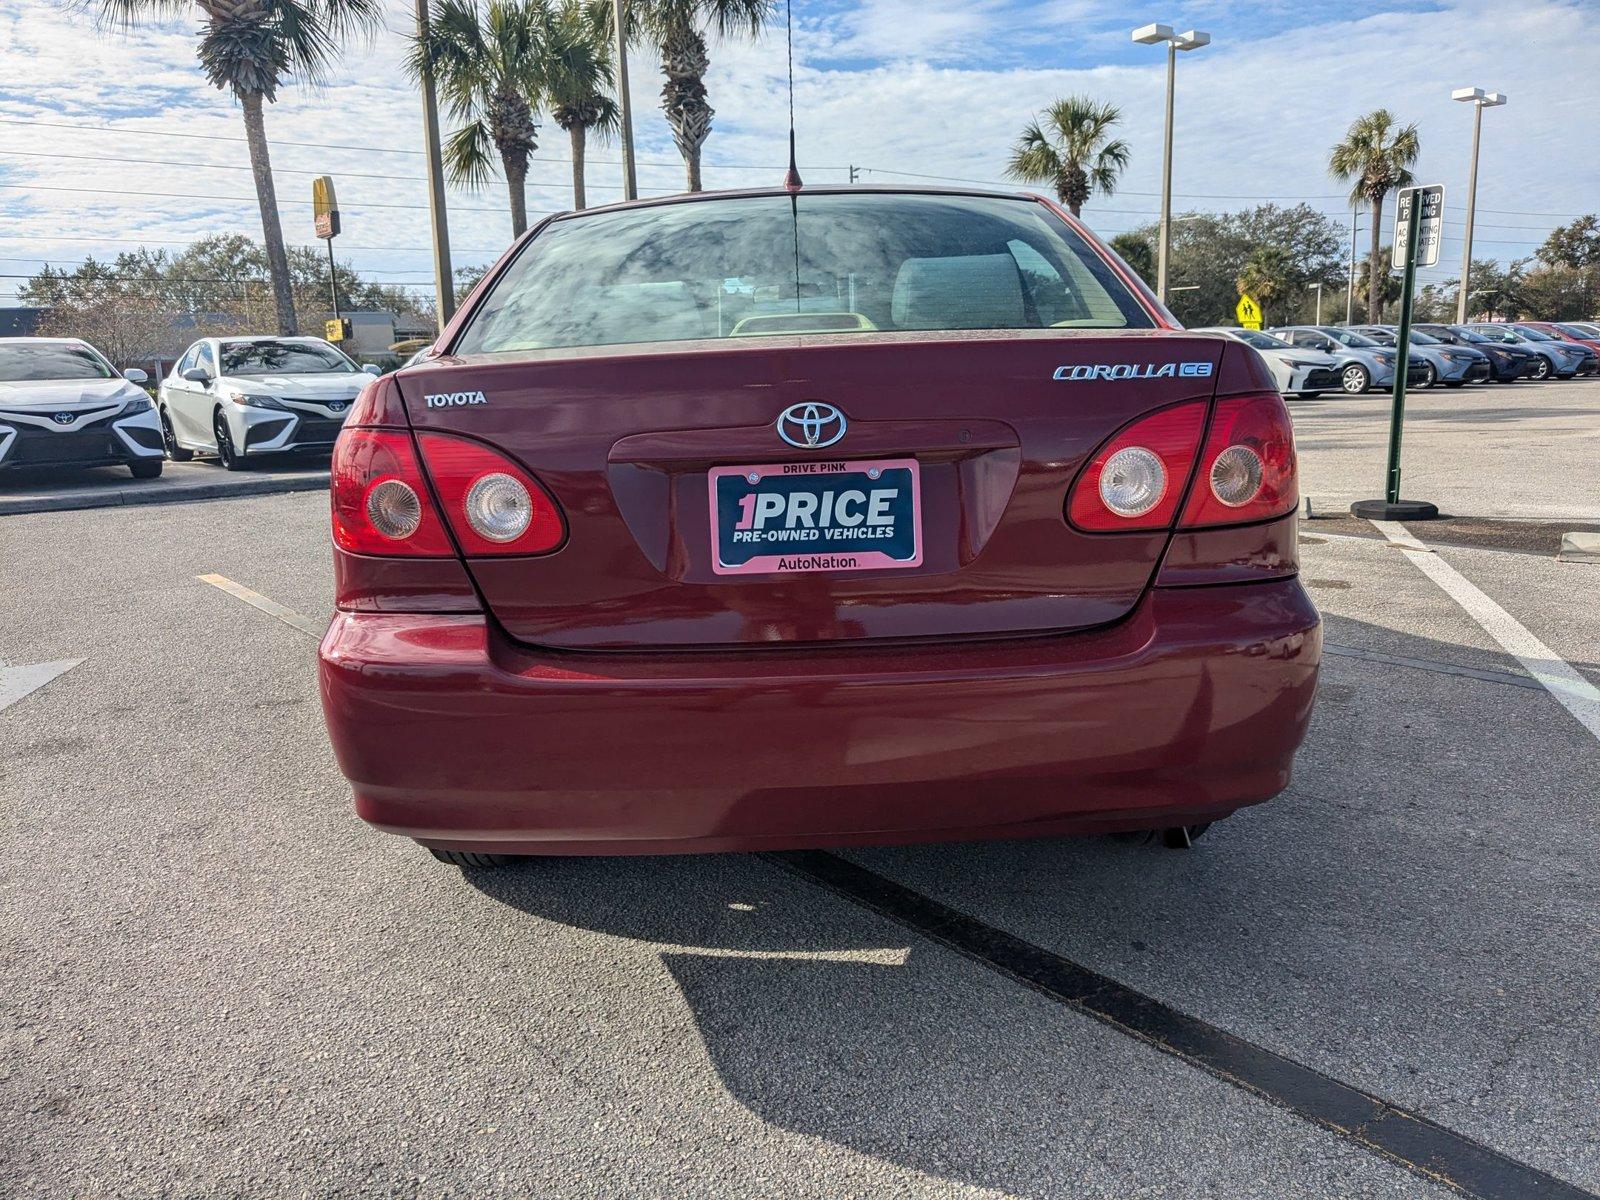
(1193, 39)
(630, 180)
(1480, 100)
(443, 277)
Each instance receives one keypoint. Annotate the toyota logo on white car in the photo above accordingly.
(811, 426)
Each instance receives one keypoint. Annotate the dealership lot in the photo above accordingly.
(219, 982)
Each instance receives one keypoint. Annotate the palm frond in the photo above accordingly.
(468, 155)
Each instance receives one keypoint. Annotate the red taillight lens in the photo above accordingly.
(492, 504)
(1247, 469)
(1135, 481)
(380, 500)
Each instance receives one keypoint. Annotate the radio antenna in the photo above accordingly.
(792, 179)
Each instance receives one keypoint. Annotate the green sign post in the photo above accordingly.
(1418, 220)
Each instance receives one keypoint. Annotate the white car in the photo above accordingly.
(62, 403)
(1300, 373)
(239, 397)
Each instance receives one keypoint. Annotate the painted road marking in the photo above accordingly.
(17, 682)
(1377, 1125)
(1571, 690)
(272, 608)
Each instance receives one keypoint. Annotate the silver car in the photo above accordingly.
(1449, 364)
(1299, 373)
(239, 397)
(1362, 362)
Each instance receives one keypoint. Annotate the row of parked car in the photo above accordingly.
(1308, 360)
(63, 403)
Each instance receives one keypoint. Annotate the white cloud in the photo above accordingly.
(925, 86)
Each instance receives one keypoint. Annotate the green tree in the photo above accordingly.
(1210, 250)
(1573, 245)
(578, 76)
(1561, 293)
(1268, 272)
(489, 67)
(1136, 252)
(137, 305)
(1375, 157)
(1069, 148)
(1389, 284)
(678, 29)
(250, 48)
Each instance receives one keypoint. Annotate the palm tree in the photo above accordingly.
(577, 69)
(488, 65)
(676, 28)
(1070, 149)
(251, 47)
(1375, 157)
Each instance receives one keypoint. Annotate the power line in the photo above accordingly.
(43, 187)
(220, 137)
(191, 166)
(131, 239)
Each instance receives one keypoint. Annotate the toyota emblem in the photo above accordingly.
(64, 418)
(811, 426)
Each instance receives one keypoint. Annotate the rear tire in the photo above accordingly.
(145, 468)
(226, 454)
(170, 440)
(472, 858)
(1354, 380)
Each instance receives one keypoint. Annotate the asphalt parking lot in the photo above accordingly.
(218, 982)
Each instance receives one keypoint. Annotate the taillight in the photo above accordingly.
(1136, 479)
(380, 500)
(492, 504)
(1247, 469)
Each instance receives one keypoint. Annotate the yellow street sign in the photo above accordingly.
(337, 330)
(1249, 313)
(325, 206)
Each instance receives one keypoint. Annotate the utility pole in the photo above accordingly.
(854, 170)
(1480, 100)
(1350, 289)
(443, 277)
(630, 179)
(1193, 39)
(1318, 321)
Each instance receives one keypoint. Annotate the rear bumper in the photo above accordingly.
(1186, 710)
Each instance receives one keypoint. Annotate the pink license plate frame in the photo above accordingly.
(806, 561)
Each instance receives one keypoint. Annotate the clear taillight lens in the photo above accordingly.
(1132, 482)
(493, 505)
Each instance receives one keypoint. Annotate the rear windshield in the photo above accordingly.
(283, 358)
(58, 360)
(749, 266)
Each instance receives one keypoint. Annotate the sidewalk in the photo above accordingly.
(28, 490)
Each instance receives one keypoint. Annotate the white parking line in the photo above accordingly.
(272, 608)
(1574, 693)
(17, 682)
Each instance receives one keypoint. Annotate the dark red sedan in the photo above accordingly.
(802, 518)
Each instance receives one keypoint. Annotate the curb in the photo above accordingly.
(154, 493)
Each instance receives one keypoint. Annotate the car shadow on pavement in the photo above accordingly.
(825, 1021)
(1405, 878)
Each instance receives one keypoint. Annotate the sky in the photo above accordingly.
(912, 91)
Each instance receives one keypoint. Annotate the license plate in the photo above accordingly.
(786, 518)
